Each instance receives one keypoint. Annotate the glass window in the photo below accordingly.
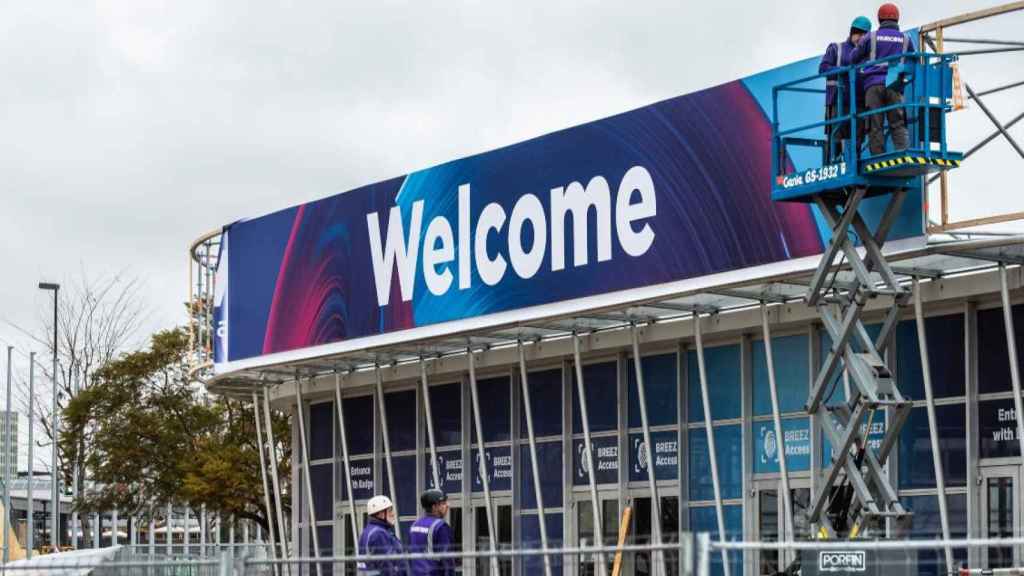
(495, 409)
(945, 353)
(530, 538)
(723, 373)
(359, 424)
(549, 455)
(666, 456)
(546, 402)
(927, 525)
(325, 540)
(729, 448)
(449, 470)
(600, 384)
(993, 358)
(321, 428)
(362, 479)
(791, 374)
(916, 470)
(401, 410)
(405, 483)
(661, 382)
(498, 460)
(796, 433)
(997, 424)
(321, 477)
(704, 519)
(446, 410)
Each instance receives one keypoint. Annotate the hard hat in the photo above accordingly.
(378, 504)
(861, 23)
(431, 497)
(888, 11)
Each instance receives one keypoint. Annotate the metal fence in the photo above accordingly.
(692, 555)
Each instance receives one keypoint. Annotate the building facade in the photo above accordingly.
(970, 370)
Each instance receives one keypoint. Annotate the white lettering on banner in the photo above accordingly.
(842, 561)
(635, 203)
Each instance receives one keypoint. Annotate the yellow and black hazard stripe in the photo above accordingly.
(909, 161)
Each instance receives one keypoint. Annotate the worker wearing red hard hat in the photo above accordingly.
(837, 86)
(885, 42)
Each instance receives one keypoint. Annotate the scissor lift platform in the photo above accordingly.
(856, 494)
(926, 80)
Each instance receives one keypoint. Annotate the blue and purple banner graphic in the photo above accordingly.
(672, 191)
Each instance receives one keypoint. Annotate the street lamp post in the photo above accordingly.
(55, 485)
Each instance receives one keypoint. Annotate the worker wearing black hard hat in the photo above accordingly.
(430, 534)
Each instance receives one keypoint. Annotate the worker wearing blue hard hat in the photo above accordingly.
(886, 42)
(837, 86)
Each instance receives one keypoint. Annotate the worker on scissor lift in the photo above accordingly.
(885, 42)
(837, 87)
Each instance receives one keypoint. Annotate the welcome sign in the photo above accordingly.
(643, 203)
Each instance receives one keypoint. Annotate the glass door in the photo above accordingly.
(641, 525)
(770, 524)
(503, 520)
(454, 520)
(585, 533)
(1000, 513)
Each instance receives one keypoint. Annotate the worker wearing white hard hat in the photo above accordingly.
(378, 538)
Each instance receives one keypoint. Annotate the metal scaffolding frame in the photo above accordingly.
(343, 436)
(308, 488)
(492, 535)
(709, 430)
(263, 474)
(435, 474)
(524, 382)
(382, 413)
(780, 439)
(652, 481)
(269, 427)
(595, 502)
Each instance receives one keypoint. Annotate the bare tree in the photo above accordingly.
(98, 319)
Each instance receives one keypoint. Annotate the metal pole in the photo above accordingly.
(30, 537)
(595, 503)
(97, 527)
(777, 421)
(435, 473)
(55, 467)
(113, 527)
(186, 541)
(659, 557)
(311, 522)
(169, 527)
(344, 454)
(482, 467)
(933, 429)
(231, 531)
(532, 439)
(719, 512)
(1011, 348)
(269, 423)
(382, 411)
(7, 460)
(202, 530)
(152, 532)
(263, 475)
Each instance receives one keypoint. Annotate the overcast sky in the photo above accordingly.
(129, 128)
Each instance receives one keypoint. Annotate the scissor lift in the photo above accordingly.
(856, 494)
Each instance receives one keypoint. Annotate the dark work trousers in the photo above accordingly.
(879, 96)
(838, 135)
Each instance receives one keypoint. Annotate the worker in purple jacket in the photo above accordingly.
(432, 534)
(885, 42)
(837, 87)
(378, 537)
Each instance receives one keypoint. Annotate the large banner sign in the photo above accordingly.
(667, 193)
